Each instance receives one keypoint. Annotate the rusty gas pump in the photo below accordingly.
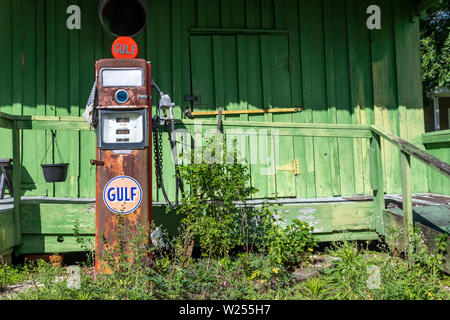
(123, 179)
(119, 107)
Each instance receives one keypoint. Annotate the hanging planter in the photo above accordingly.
(54, 172)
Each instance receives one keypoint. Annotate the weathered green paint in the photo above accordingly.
(408, 222)
(377, 181)
(261, 53)
(41, 243)
(236, 55)
(332, 217)
(48, 224)
(7, 229)
(17, 185)
(438, 144)
(440, 166)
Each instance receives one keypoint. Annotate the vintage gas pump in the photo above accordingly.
(123, 181)
(119, 107)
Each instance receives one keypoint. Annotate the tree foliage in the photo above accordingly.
(435, 47)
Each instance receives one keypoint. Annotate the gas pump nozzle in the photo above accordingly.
(165, 102)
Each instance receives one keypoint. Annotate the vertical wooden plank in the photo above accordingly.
(43, 188)
(218, 67)
(292, 23)
(150, 33)
(87, 77)
(266, 76)
(225, 13)
(17, 110)
(6, 65)
(307, 89)
(17, 57)
(62, 87)
(332, 77)
(162, 73)
(50, 75)
(377, 181)
(176, 93)
(73, 174)
(236, 13)
(202, 13)
(252, 14)
(6, 76)
(313, 55)
(17, 183)
(281, 97)
(261, 159)
(242, 74)
(267, 14)
(360, 66)
(187, 21)
(410, 100)
(437, 183)
(208, 13)
(408, 222)
(29, 88)
(267, 98)
(230, 80)
(385, 91)
(202, 72)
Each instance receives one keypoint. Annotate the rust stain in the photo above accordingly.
(138, 95)
(132, 165)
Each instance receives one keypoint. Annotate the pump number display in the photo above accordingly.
(122, 195)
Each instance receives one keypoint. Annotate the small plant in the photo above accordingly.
(215, 214)
(316, 288)
(291, 245)
(348, 278)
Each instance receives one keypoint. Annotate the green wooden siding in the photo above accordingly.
(438, 144)
(236, 54)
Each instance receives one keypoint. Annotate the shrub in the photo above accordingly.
(215, 214)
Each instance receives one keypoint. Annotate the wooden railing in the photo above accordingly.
(374, 133)
(16, 123)
(407, 150)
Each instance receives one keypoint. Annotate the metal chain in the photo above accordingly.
(160, 154)
(157, 147)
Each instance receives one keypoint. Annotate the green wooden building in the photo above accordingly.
(357, 89)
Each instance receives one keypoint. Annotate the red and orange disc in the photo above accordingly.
(124, 48)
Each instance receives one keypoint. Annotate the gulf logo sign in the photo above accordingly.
(124, 47)
(122, 194)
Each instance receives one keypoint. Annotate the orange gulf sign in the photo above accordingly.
(122, 195)
(124, 48)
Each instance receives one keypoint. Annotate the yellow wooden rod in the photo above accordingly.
(275, 110)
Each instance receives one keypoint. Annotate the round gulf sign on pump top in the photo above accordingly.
(124, 48)
(122, 195)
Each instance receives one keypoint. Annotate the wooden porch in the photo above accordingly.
(42, 224)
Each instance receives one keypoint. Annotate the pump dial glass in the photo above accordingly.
(122, 127)
(122, 77)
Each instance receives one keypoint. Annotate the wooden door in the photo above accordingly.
(246, 72)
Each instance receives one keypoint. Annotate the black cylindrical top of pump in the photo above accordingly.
(123, 17)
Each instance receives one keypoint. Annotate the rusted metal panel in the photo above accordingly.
(123, 185)
(132, 165)
(138, 95)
